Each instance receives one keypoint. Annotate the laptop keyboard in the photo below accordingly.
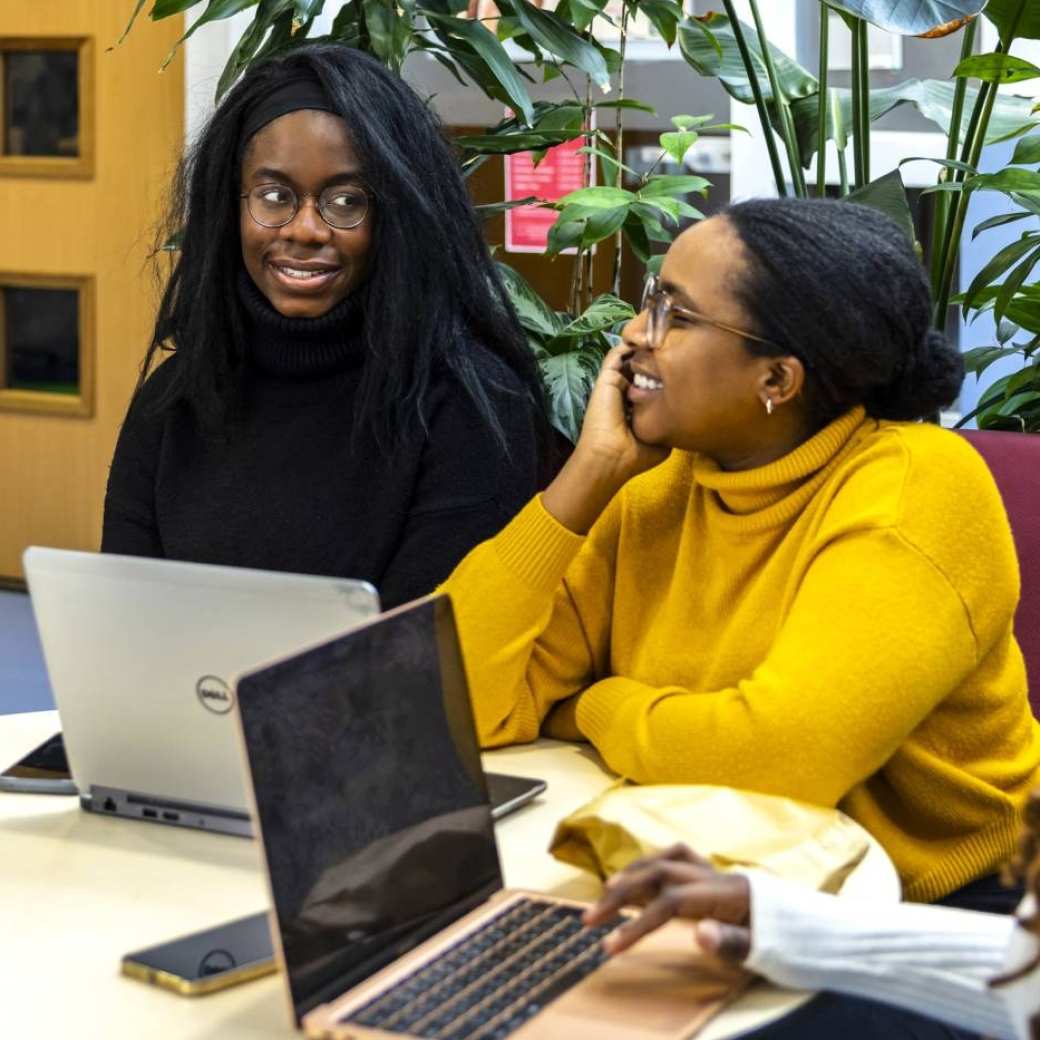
(493, 980)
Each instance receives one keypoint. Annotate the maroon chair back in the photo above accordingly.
(1014, 461)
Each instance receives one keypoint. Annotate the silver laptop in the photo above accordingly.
(140, 653)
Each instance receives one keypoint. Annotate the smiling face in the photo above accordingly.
(305, 267)
(701, 389)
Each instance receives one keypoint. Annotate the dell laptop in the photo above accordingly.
(140, 653)
(389, 914)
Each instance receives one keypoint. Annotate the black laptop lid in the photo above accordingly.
(371, 798)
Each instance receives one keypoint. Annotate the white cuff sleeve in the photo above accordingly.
(934, 960)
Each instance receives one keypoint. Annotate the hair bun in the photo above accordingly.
(929, 381)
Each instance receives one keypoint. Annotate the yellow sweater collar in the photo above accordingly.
(755, 498)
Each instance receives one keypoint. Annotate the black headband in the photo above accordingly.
(303, 91)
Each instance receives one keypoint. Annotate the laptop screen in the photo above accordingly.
(370, 794)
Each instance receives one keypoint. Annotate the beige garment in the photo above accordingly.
(805, 843)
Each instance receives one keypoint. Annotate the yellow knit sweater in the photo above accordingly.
(835, 626)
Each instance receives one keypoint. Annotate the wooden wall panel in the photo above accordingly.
(53, 468)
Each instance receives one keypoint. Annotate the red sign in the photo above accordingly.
(559, 173)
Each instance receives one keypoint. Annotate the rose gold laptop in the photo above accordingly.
(389, 916)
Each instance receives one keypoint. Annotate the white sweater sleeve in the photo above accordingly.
(934, 960)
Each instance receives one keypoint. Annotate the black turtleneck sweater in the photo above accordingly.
(286, 490)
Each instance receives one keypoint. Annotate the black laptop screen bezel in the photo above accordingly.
(301, 714)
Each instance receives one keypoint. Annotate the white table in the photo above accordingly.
(77, 891)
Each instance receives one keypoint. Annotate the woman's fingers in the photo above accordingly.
(692, 901)
(728, 942)
(638, 886)
(680, 852)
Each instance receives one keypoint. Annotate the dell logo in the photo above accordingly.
(214, 694)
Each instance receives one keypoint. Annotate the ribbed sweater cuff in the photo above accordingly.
(599, 705)
(536, 547)
(936, 961)
(980, 854)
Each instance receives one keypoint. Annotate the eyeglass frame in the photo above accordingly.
(654, 290)
(300, 196)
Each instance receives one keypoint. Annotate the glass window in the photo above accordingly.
(40, 339)
(41, 102)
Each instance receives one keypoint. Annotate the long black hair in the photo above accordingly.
(838, 285)
(432, 290)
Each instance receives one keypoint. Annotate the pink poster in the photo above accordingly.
(559, 173)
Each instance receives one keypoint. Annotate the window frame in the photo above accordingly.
(81, 404)
(82, 165)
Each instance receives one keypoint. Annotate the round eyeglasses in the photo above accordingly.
(275, 205)
(657, 302)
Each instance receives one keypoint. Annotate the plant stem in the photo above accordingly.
(864, 104)
(619, 151)
(843, 172)
(974, 139)
(585, 256)
(951, 243)
(783, 108)
(821, 75)
(860, 104)
(756, 90)
(941, 204)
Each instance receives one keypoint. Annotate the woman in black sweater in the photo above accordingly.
(347, 392)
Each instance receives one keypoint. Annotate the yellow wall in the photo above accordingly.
(53, 468)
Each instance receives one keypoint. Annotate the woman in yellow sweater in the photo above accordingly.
(758, 570)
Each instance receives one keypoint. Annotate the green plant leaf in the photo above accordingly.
(601, 197)
(244, 52)
(1013, 282)
(887, 194)
(1006, 180)
(677, 143)
(932, 98)
(564, 234)
(690, 122)
(569, 378)
(1027, 151)
(697, 37)
(1008, 256)
(494, 56)
(534, 313)
(632, 103)
(216, 10)
(165, 8)
(488, 210)
(1015, 19)
(997, 68)
(380, 19)
(674, 184)
(949, 164)
(558, 39)
(507, 144)
(133, 18)
(1007, 331)
(664, 16)
(978, 359)
(604, 312)
(650, 219)
(908, 19)
(999, 221)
